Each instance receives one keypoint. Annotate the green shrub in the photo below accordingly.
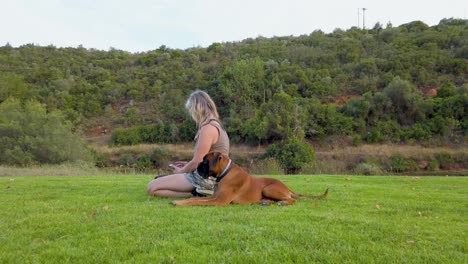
(384, 131)
(155, 134)
(147, 134)
(163, 133)
(444, 159)
(143, 163)
(433, 165)
(374, 136)
(399, 163)
(187, 130)
(357, 140)
(446, 90)
(132, 116)
(160, 157)
(418, 132)
(128, 136)
(292, 154)
(366, 168)
(126, 160)
(30, 134)
(101, 160)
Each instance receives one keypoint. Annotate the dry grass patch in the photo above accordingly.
(362, 159)
(405, 150)
(75, 169)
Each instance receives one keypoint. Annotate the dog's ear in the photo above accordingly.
(218, 157)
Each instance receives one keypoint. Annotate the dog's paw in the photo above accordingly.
(281, 203)
(174, 203)
(264, 203)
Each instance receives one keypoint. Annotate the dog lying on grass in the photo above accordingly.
(238, 187)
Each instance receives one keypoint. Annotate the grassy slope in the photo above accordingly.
(109, 219)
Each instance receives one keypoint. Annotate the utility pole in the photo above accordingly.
(364, 18)
(358, 18)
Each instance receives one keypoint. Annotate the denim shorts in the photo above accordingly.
(202, 185)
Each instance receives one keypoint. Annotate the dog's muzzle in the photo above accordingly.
(203, 168)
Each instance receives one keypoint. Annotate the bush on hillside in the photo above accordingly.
(293, 154)
(398, 163)
(143, 162)
(163, 133)
(367, 168)
(31, 135)
(160, 157)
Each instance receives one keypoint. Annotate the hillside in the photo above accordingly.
(405, 84)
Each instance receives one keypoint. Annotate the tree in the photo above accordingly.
(242, 86)
(30, 135)
(446, 90)
(13, 85)
(406, 101)
(243, 75)
(278, 119)
(241, 91)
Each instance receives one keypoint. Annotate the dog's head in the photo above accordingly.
(213, 165)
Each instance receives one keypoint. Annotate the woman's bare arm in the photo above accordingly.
(208, 136)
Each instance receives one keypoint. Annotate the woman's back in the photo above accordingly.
(222, 145)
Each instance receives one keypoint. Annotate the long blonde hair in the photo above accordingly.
(201, 107)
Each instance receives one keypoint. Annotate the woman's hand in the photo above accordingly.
(180, 164)
(178, 170)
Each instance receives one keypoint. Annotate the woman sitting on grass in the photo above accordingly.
(211, 136)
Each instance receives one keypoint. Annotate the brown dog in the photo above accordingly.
(237, 186)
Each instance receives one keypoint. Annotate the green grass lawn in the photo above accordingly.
(110, 219)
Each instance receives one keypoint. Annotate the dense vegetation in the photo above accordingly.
(392, 84)
(31, 135)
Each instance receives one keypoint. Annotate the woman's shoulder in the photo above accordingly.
(212, 123)
(208, 127)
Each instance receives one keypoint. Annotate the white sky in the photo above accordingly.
(143, 25)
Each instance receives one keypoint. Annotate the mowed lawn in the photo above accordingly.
(110, 219)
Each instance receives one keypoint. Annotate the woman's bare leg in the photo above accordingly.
(175, 185)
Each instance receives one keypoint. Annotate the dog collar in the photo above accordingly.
(225, 171)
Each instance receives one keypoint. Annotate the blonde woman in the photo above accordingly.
(211, 136)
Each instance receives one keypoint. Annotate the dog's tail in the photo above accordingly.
(317, 197)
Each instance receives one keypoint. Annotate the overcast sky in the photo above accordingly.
(143, 25)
